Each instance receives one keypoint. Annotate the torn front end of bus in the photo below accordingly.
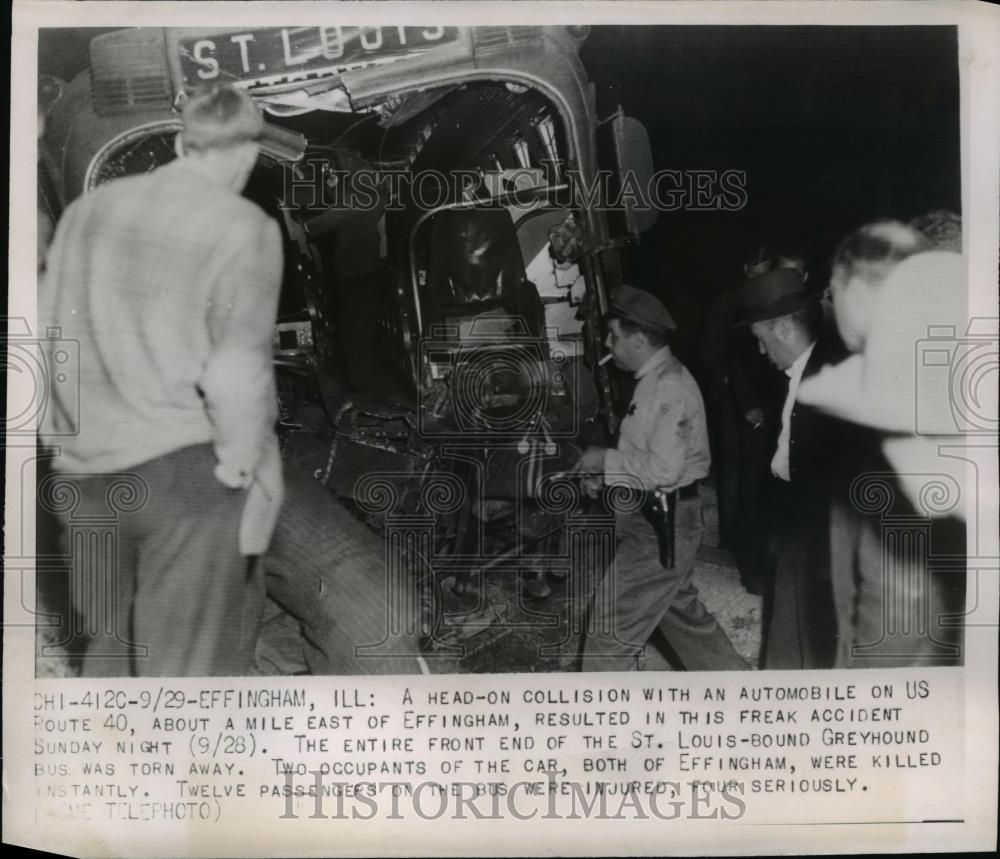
(447, 260)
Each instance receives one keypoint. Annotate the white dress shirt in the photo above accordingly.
(780, 467)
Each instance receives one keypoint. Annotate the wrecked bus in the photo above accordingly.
(450, 248)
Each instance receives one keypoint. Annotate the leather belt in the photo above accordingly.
(689, 491)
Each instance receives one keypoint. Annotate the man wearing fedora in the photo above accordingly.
(662, 453)
(799, 622)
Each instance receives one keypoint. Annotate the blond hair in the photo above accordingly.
(219, 118)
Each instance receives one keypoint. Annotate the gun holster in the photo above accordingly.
(659, 508)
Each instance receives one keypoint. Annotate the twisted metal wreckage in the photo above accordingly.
(438, 339)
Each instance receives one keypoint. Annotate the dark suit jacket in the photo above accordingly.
(802, 623)
(732, 357)
(815, 436)
(831, 588)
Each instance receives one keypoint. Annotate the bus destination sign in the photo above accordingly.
(277, 52)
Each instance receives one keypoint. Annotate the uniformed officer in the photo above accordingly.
(662, 453)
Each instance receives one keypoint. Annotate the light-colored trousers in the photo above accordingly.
(637, 594)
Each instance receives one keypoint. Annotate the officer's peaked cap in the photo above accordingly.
(641, 307)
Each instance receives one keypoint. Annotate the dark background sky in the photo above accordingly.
(834, 126)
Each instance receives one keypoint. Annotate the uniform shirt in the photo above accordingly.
(169, 283)
(663, 440)
(780, 466)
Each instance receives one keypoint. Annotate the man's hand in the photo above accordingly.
(233, 477)
(591, 461)
(755, 417)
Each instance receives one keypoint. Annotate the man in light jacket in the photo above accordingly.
(169, 282)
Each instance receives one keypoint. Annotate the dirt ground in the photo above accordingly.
(495, 627)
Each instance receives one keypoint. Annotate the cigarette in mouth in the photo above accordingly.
(605, 359)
